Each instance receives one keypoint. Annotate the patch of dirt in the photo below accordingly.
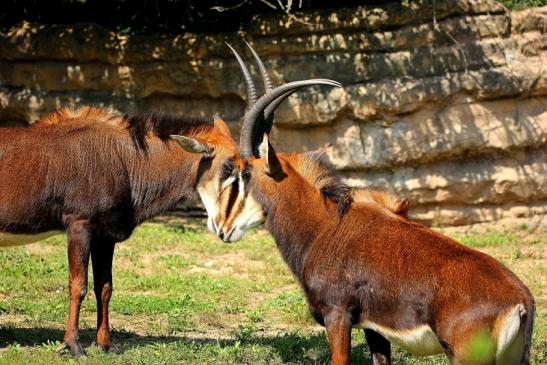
(233, 263)
(529, 229)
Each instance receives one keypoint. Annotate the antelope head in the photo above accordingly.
(231, 208)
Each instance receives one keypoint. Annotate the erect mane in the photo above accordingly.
(163, 125)
(321, 174)
(81, 114)
(140, 126)
(387, 199)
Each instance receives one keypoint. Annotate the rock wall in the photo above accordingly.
(445, 103)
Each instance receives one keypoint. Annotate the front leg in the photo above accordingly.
(338, 324)
(79, 238)
(102, 253)
(380, 348)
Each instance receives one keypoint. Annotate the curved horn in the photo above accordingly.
(251, 89)
(270, 110)
(268, 117)
(267, 82)
(246, 144)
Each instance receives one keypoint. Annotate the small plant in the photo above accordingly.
(255, 315)
(51, 345)
(233, 309)
(14, 348)
(244, 332)
(517, 254)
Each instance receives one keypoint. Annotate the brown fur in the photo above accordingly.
(320, 174)
(372, 266)
(386, 199)
(81, 113)
(314, 169)
(97, 175)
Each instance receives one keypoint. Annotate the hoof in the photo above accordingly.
(114, 349)
(110, 348)
(75, 348)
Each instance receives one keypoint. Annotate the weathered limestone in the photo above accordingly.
(445, 101)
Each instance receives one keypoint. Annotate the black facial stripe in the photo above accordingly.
(246, 174)
(241, 205)
(246, 177)
(234, 191)
(226, 169)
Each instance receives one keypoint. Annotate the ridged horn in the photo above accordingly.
(270, 110)
(256, 113)
(251, 89)
(268, 86)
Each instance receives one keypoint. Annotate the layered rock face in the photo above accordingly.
(444, 103)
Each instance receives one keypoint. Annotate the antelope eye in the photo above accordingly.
(226, 169)
(246, 174)
(229, 173)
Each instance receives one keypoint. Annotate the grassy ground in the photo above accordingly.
(182, 296)
(522, 4)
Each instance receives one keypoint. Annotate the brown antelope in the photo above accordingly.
(362, 265)
(96, 175)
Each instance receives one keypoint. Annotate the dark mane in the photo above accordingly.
(163, 125)
(319, 172)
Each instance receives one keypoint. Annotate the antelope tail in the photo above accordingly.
(515, 336)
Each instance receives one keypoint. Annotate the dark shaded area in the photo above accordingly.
(291, 347)
(163, 16)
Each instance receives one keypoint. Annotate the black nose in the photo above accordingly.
(221, 235)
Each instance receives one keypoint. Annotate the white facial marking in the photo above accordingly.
(241, 185)
(15, 239)
(208, 195)
(229, 181)
(250, 216)
(420, 340)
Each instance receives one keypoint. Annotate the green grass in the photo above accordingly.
(182, 296)
(522, 4)
(487, 239)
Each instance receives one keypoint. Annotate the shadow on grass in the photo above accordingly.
(39, 336)
(303, 348)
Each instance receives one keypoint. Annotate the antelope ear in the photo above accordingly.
(221, 125)
(272, 165)
(193, 145)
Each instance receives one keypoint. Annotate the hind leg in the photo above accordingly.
(380, 348)
(101, 259)
(463, 358)
(470, 344)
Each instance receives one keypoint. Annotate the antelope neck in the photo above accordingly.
(296, 224)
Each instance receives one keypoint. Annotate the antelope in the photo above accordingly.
(364, 266)
(96, 175)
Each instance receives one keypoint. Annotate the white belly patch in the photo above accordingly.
(15, 239)
(420, 341)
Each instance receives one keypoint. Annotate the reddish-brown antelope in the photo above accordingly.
(362, 265)
(96, 175)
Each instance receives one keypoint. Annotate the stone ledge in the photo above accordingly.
(516, 178)
(371, 17)
(430, 135)
(464, 215)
